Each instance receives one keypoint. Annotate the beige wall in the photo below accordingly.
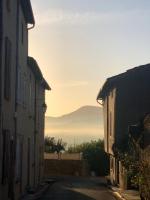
(109, 110)
(24, 122)
(36, 129)
(39, 135)
(8, 109)
(109, 120)
(28, 134)
(128, 106)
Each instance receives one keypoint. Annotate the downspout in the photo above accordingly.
(1, 36)
(35, 119)
(33, 25)
(100, 103)
(35, 131)
(1, 42)
(17, 63)
(34, 150)
(16, 86)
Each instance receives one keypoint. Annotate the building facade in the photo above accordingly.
(36, 113)
(125, 100)
(22, 100)
(7, 96)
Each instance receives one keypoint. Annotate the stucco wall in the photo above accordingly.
(131, 103)
(8, 110)
(25, 122)
(23, 117)
(109, 120)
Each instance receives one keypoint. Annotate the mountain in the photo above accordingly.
(84, 124)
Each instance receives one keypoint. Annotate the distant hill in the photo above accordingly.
(84, 124)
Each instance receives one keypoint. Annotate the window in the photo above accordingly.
(30, 94)
(19, 83)
(7, 71)
(8, 5)
(111, 163)
(112, 94)
(28, 161)
(19, 149)
(24, 89)
(6, 156)
(22, 33)
(110, 123)
(21, 88)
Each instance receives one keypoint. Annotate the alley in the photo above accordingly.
(76, 188)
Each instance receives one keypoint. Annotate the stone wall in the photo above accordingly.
(63, 156)
(145, 160)
(66, 167)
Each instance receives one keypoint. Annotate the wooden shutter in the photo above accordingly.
(7, 70)
(6, 156)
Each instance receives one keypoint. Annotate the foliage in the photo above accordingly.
(94, 153)
(138, 169)
(129, 158)
(52, 145)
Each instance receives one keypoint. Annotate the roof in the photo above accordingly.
(37, 72)
(28, 12)
(114, 80)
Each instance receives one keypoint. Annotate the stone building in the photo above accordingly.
(36, 112)
(8, 41)
(22, 103)
(125, 100)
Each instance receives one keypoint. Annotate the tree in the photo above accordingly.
(60, 146)
(94, 153)
(49, 143)
(52, 145)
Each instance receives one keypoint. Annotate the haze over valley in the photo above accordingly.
(82, 125)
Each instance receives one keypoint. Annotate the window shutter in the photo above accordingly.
(7, 71)
(19, 84)
(6, 157)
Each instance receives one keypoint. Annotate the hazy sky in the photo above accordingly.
(79, 43)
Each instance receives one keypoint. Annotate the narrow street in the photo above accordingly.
(77, 188)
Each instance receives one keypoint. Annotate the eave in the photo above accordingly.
(28, 12)
(37, 72)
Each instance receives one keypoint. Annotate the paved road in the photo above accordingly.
(73, 188)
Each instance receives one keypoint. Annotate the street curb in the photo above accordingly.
(116, 194)
(120, 196)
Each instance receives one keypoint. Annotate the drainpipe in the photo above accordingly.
(1, 42)
(31, 27)
(100, 103)
(35, 131)
(17, 63)
(16, 86)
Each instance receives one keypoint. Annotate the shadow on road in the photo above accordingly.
(64, 194)
(77, 188)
